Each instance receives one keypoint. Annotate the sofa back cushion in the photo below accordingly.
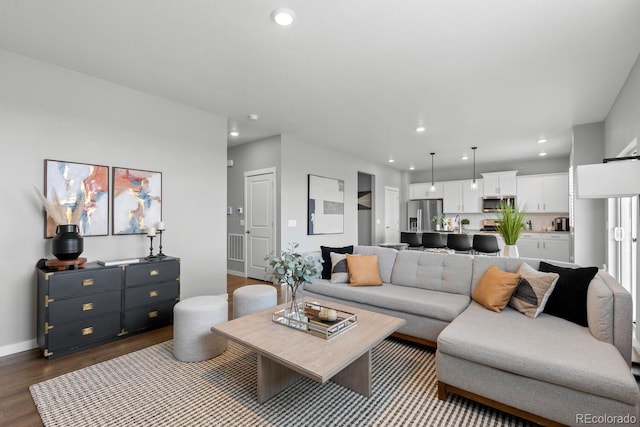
(386, 259)
(434, 271)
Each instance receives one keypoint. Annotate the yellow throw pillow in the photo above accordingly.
(495, 288)
(363, 270)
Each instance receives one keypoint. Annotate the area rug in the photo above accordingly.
(151, 388)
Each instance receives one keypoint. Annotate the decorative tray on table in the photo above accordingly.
(312, 323)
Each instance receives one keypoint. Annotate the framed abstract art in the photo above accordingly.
(325, 206)
(72, 186)
(137, 200)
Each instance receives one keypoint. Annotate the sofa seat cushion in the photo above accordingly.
(436, 305)
(546, 348)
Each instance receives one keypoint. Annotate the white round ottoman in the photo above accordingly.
(251, 298)
(192, 321)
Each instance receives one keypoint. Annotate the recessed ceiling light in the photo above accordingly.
(542, 153)
(412, 167)
(234, 133)
(253, 117)
(283, 16)
(465, 157)
(390, 160)
(420, 129)
(542, 140)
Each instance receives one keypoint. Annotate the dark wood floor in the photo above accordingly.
(19, 371)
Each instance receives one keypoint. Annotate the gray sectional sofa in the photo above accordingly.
(547, 369)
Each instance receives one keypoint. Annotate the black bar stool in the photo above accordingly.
(414, 240)
(459, 242)
(433, 240)
(485, 244)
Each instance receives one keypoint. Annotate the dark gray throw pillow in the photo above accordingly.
(326, 257)
(569, 298)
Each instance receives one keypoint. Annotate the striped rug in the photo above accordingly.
(150, 388)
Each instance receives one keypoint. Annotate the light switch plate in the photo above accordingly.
(292, 223)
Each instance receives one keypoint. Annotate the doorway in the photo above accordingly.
(365, 209)
(260, 213)
(391, 215)
(622, 253)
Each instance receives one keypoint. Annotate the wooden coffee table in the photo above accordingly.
(286, 354)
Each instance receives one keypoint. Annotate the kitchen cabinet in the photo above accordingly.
(544, 193)
(421, 190)
(551, 246)
(458, 197)
(497, 184)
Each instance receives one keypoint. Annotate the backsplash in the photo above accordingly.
(539, 221)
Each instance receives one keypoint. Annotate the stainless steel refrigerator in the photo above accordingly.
(420, 212)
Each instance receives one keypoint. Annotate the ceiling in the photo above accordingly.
(357, 75)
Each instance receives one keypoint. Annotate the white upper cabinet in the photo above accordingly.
(421, 190)
(497, 184)
(460, 198)
(544, 193)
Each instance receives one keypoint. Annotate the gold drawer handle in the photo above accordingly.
(153, 314)
(87, 331)
(87, 282)
(154, 273)
(153, 294)
(88, 306)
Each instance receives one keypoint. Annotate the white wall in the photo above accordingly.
(622, 124)
(47, 112)
(590, 225)
(300, 159)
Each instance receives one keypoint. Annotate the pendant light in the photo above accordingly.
(433, 185)
(474, 183)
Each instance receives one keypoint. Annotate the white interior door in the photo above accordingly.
(391, 215)
(260, 220)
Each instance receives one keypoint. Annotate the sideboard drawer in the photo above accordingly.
(148, 316)
(82, 282)
(150, 294)
(84, 307)
(152, 272)
(81, 332)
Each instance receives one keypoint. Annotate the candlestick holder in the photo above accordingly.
(160, 254)
(151, 255)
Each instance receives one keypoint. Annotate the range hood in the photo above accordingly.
(616, 177)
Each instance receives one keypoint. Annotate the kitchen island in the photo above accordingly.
(550, 245)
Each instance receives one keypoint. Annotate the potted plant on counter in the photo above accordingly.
(510, 224)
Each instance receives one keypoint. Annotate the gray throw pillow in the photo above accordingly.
(533, 291)
(339, 271)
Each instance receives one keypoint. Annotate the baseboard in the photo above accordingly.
(236, 273)
(7, 350)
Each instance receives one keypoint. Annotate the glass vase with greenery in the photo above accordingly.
(291, 268)
(510, 223)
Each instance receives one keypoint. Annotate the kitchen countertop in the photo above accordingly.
(476, 231)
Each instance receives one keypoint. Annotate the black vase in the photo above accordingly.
(67, 243)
